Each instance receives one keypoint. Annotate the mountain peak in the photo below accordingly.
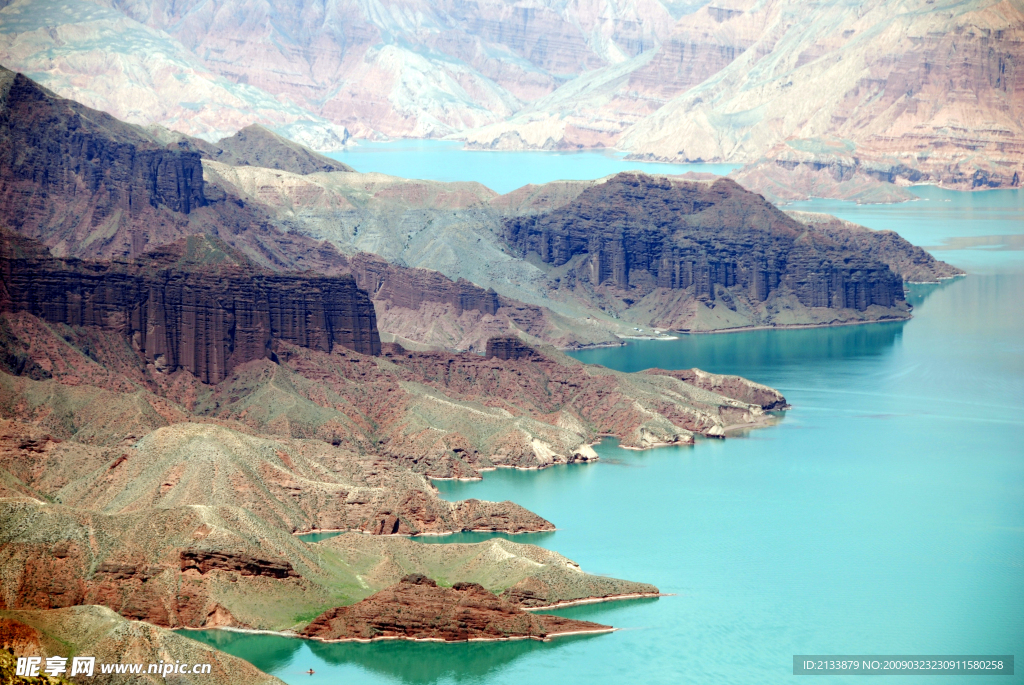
(255, 145)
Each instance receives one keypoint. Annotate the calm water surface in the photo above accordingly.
(883, 514)
(443, 160)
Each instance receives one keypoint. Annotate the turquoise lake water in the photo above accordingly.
(883, 514)
(444, 160)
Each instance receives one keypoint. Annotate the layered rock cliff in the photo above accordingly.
(99, 56)
(637, 235)
(66, 170)
(411, 288)
(439, 414)
(87, 185)
(205, 318)
(598, 107)
(911, 88)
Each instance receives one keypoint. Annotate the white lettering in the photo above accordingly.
(82, 665)
(29, 666)
(55, 665)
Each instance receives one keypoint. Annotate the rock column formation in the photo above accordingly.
(206, 319)
(644, 232)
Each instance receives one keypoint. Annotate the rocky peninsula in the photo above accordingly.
(417, 609)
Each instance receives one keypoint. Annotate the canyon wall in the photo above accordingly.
(206, 319)
(638, 232)
(63, 166)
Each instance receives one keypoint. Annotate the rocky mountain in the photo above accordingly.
(458, 230)
(417, 609)
(239, 569)
(171, 501)
(530, 412)
(910, 263)
(242, 570)
(817, 99)
(257, 146)
(408, 69)
(598, 107)
(849, 100)
(134, 190)
(88, 185)
(528, 576)
(187, 379)
(700, 255)
(99, 632)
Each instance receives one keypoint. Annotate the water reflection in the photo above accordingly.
(473, 537)
(735, 352)
(269, 653)
(917, 293)
(414, 663)
(422, 663)
(749, 353)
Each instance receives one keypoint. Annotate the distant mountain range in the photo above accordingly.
(824, 97)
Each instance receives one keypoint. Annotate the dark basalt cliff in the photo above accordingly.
(206, 318)
(55, 151)
(637, 233)
(87, 185)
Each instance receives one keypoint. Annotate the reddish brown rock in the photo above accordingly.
(21, 638)
(844, 100)
(254, 145)
(206, 318)
(205, 561)
(66, 170)
(99, 632)
(910, 262)
(417, 609)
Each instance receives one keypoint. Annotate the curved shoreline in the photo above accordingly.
(598, 600)
(340, 531)
(384, 638)
(548, 607)
(798, 326)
